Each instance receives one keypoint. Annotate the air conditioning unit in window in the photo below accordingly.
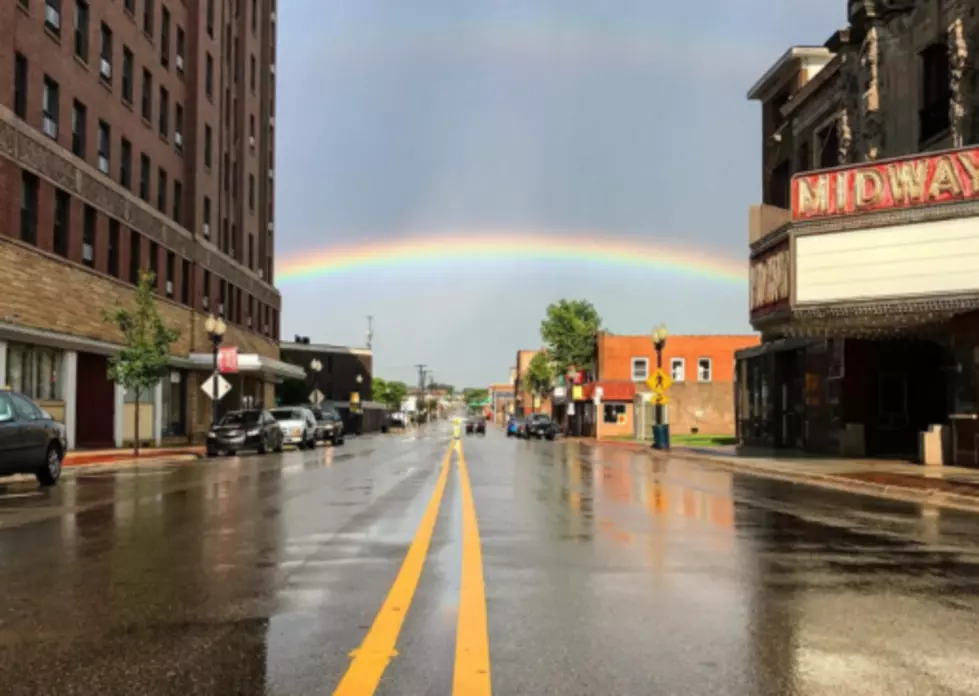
(103, 164)
(272, 16)
(261, 273)
(207, 230)
(251, 141)
(105, 69)
(272, 69)
(271, 226)
(169, 288)
(205, 302)
(271, 173)
(50, 127)
(178, 139)
(180, 62)
(221, 308)
(52, 16)
(87, 253)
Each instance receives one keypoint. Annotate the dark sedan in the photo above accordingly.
(31, 442)
(476, 425)
(541, 427)
(251, 429)
(329, 425)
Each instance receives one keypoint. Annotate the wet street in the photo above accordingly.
(524, 567)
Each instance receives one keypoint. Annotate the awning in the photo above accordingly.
(252, 363)
(612, 390)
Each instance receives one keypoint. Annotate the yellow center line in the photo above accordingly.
(372, 658)
(472, 662)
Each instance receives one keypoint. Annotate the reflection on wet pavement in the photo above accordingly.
(605, 573)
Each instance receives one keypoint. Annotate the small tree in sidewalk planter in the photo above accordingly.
(144, 357)
(539, 376)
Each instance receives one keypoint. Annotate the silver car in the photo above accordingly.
(298, 426)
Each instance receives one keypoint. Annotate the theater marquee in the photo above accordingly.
(900, 183)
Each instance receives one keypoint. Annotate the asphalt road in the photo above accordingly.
(523, 567)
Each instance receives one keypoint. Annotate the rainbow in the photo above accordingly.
(596, 249)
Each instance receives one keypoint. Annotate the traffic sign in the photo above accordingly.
(659, 381)
(660, 399)
(315, 397)
(223, 386)
(228, 359)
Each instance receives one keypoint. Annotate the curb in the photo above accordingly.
(121, 458)
(878, 490)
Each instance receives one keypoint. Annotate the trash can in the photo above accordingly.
(661, 437)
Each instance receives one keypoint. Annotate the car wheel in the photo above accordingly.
(278, 446)
(263, 447)
(232, 453)
(211, 454)
(50, 472)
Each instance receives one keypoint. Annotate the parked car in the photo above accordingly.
(31, 441)
(476, 424)
(298, 425)
(329, 425)
(541, 427)
(516, 427)
(247, 429)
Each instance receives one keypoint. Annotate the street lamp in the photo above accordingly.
(215, 331)
(315, 366)
(360, 419)
(659, 336)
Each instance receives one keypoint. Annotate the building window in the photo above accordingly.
(78, 121)
(126, 164)
(52, 16)
(254, 16)
(178, 127)
(678, 369)
(251, 310)
(171, 262)
(233, 239)
(234, 180)
(34, 371)
(227, 171)
(105, 54)
(234, 60)
(181, 49)
(20, 85)
(165, 38)
(148, 17)
(612, 412)
(81, 30)
(62, 217)
(703, 370)
(127, 75)
(88, 236)
(113, 248)
(50, 106)
(28, 207)
(640, 369)
(161, 190)
(178, 202)
(251, 130)
(206, 291)
(207, 146)
(173, 403)
(185, 282)
(164, 112)
(130, 6)
(155, 262)
(251, 251)
(104, 147)
(252, 74)
(210, 18)
(135, 254)
(935, 90)
(209, 76)
(144, 177)
(207, 218)
(147, 95)
(222, 295)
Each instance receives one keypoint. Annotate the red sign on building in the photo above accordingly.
(228, 360)
(944, 177)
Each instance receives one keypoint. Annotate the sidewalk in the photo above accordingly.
(947, 486)
(125, 456)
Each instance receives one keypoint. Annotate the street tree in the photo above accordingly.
(379, 390)
(395, 394)
(144, 357)
(474, 395)
(569, 330)
(538, 378)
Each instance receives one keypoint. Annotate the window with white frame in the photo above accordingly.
(640, 369)
(678, 369)
(703, 370)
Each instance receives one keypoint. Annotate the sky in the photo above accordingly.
(511, 120)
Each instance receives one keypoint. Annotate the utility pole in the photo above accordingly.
(370, 331)
(421, 387)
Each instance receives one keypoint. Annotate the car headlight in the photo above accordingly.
(254, 431)
(211, 434)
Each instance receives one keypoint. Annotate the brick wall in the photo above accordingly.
(615, 354)
(715, 400)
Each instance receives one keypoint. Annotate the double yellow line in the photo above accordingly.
(472, 663)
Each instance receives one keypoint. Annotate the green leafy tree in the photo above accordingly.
(472, 395)
(394, 395)
(538, 378)
(379, 390)
(569, 329)
(144, 357)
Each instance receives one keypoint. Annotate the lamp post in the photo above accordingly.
(659, 336)
(215, 331)
(314, 367)
(360, 408)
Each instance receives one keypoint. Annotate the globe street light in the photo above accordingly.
(314, 367)
(215, 327)
(659, 336)
(360, 412)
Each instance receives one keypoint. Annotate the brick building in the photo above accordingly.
(862, 282)
(701, 397)
(135, 135)
(525, 402)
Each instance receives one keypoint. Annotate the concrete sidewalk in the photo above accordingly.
(948, 486)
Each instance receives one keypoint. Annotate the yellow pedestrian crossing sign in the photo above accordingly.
(660, 399)
(659, 382)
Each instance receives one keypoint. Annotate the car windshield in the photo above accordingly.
(240, 418)
(287, 414)
(540, 418)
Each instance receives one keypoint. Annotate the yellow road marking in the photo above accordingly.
(370, 660)
(472, 663)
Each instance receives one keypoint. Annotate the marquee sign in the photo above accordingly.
(944, 177)
(769, 279)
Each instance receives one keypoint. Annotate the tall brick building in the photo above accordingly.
(136, 135)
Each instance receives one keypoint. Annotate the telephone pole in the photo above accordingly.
(370, 331)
